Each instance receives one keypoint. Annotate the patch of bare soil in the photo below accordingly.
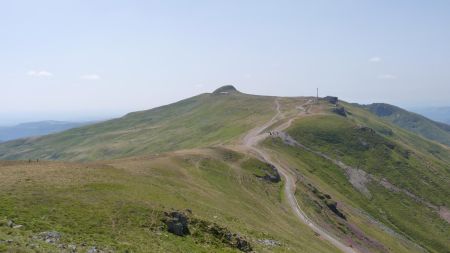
(444, 213)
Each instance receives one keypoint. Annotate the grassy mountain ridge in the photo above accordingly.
(413, 122)
(203, 120)
(373, 184)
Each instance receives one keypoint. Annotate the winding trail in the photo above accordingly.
(250, 143)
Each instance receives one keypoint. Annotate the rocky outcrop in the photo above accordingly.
(242, 244)
(332, 205)
(184, 224)
(224, 235)
(92, 250)
(177, 223)
(365, 129)
(327, 200)
(271, 175)
(50, 236)
(340, 111)
(269, 242)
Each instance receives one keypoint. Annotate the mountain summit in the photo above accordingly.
(225, 89)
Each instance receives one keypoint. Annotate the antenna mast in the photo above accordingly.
(317, 98)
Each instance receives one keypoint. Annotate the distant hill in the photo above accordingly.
(203, 120)
(36, 129)
(441, 114)
(413, 122)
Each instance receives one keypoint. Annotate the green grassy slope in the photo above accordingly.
(398, 202)
(118, 205)
(361, 148)
(383, 151)
(413, 122)
(411, 140)
(200, 121)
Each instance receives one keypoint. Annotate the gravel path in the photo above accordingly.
(250, 143)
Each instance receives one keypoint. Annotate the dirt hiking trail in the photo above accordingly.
(250, 143)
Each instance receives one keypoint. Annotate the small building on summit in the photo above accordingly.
(331, 99)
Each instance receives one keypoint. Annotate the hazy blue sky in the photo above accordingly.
(87, 59)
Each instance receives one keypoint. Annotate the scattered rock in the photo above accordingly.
(268, 242)
(33, 246)
(365, 129)
(390, 145)
(273, 175)
(223, 234)
(93, 250)
(340, 111)
(386, 131)
(327, 200)
(216, 230)
(72, 248)
(177, 223)
(10, 223)
(332, 205)
(242, 244)
(50, 236)
(405, 153)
